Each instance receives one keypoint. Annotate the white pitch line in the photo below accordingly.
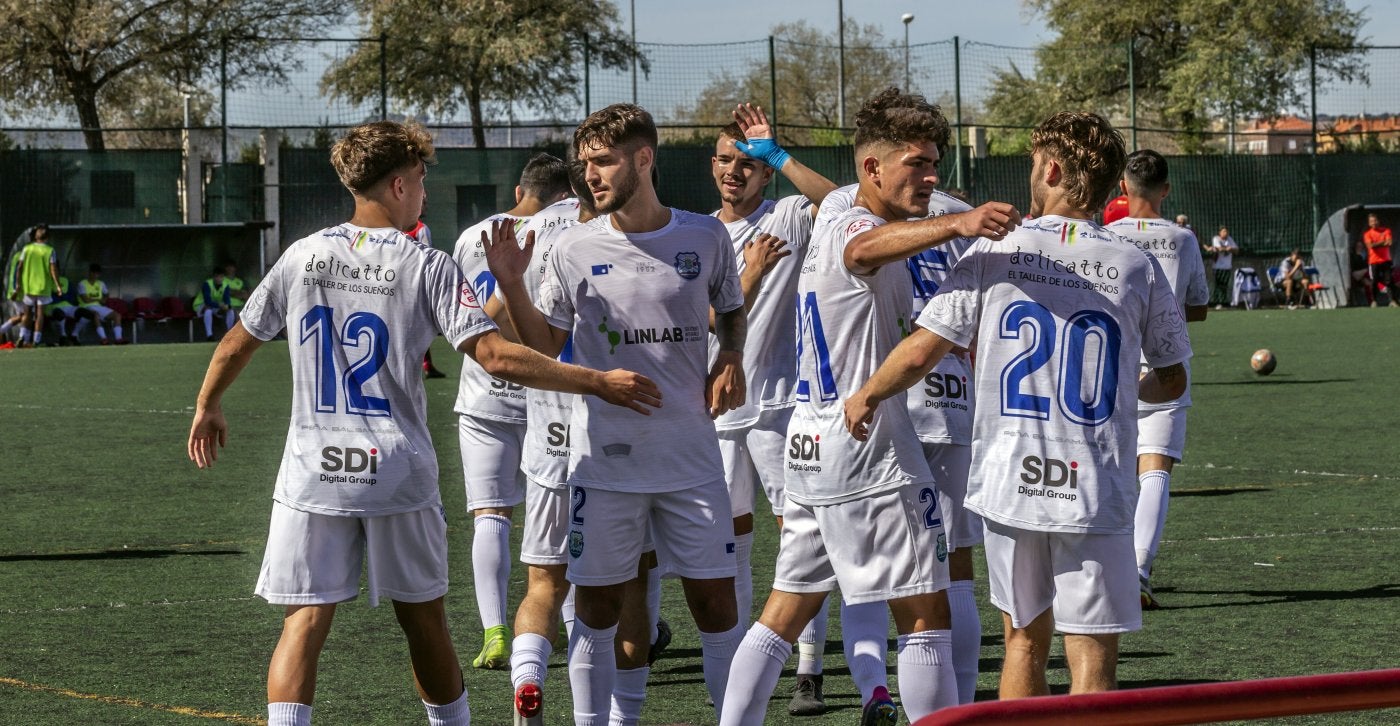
(1296, 472)
(1319, 533)
(122, 605)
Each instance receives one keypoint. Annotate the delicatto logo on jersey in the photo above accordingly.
(1057, 477)
(688, 265)
(466, 296)
(335, 268)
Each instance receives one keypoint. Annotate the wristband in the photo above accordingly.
(766, 151)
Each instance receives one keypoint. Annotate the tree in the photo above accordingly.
(107, 59)
(446, 54)
(806, 72)
(1192, 61)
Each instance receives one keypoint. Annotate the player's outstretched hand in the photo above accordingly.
(753, 122)
(763, 252)
(208, 434)
(724, 388)
(632, 390)
(759, 142)
(505, 256)
(993, 220)
(859, 414)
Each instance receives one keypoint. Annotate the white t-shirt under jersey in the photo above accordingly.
(642, 302)
(478, 394)
(846, 325)
(940, 406)
(770, 361)
(1062, 312)
(360, 307)
(545, 456)
(1179, 254)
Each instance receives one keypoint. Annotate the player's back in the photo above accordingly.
(479, 394)
(1176, 250)
(1061, 310)
(34, 269)
(360, 307)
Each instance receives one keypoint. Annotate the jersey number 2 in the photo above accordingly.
(361, 329)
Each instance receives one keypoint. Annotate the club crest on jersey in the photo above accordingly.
(941, 549)
(688, 265)
(575, 543)
(466, 296)
(858, 226)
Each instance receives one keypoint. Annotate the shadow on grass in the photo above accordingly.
(1277, 597)
(116, 555)
(1283, 380)
(1217, 491)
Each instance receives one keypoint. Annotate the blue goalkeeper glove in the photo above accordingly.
(766, 151)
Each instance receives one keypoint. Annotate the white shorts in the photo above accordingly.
(546, 537)
(101, 311)
(754, 454)
(1162, 431)
(950, 464)
(1089, 579)
(40, 300)
(315, 559)
(691, 529)
(491, 461)
(883, 547)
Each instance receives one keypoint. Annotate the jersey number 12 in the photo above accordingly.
(361, 330)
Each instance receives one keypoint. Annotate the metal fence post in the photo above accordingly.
(1132, 95)
(383, 76)
(1312, 154)
(587, 89)
(957, 115)
(773, 86)
(223, 129)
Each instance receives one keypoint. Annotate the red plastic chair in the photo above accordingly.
(175, 308)
(146, 308)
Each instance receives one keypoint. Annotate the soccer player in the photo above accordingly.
(62, 310)
(769, 238)
(1378, 241)
(361, 302)
(636, 285)
(215, 297)
(35, 283)
(92, 296)
(491, 422)
(1061, 310)
(1161, 426)
(424, 236)
(864, 515)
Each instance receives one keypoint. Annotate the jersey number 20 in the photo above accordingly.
(1086, 402)
(360, 329)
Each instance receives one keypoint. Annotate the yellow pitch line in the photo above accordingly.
(133, 702)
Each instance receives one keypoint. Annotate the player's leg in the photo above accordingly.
(1161, 441)
(207, 315)
(116, 319)
(291, 674)
(949, 464)
(632, 649)
(1093, 604)
(605, 542)
(694, 537)
(765, 648)
(84, 317)
(230, 317)
(544, 549)
(495, 485)
(436, 670)
(1022, 586)
(740, 476)
(808, 698)
(38, 324)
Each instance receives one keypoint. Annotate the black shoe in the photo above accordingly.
(434, 373)
(807, 697)
(663, 641)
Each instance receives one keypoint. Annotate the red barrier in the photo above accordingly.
(1198, 703)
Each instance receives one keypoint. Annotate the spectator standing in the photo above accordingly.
(1223, 247)
(1378, 242)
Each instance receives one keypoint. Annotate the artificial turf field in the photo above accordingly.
(128, 574)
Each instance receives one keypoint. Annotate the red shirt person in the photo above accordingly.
(1378, 241)
(1116, 209)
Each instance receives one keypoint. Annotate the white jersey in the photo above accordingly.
(940, 406)
(545, 456)
(1179, 254)
(1061, 310)
(770, 359)
(642, 302)
(846, 325)
(478, 394)
(360, 307)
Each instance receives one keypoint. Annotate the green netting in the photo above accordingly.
(78, 187)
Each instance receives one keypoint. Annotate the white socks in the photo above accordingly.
(208, 322)
(926, 679)
(456, 713)
(491, 567)
(78, 329)
(743, 578)
(566, 613)
(592, 672)
(101, 332)
(628, 695)
(654, 599)
(967, 638)
(529, 656)
(811, 645)
(864, 630)
(1151, 517)
(757, 665)
(717, 655)
(288, 714)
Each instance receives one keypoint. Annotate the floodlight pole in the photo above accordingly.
(223, 123)
(841, 63)
(907, 18)
(634, 50)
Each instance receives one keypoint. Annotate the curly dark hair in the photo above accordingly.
(619, 125)
(1090, 152)
(894, 117)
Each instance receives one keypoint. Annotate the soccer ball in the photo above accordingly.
(1263, 361)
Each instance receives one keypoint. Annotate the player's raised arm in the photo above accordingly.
(209, 431)
(910, 361)
(899, 240)
(518, 364)
(508, 260)
(761, 143)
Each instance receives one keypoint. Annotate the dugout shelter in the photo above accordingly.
(1333, 246)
